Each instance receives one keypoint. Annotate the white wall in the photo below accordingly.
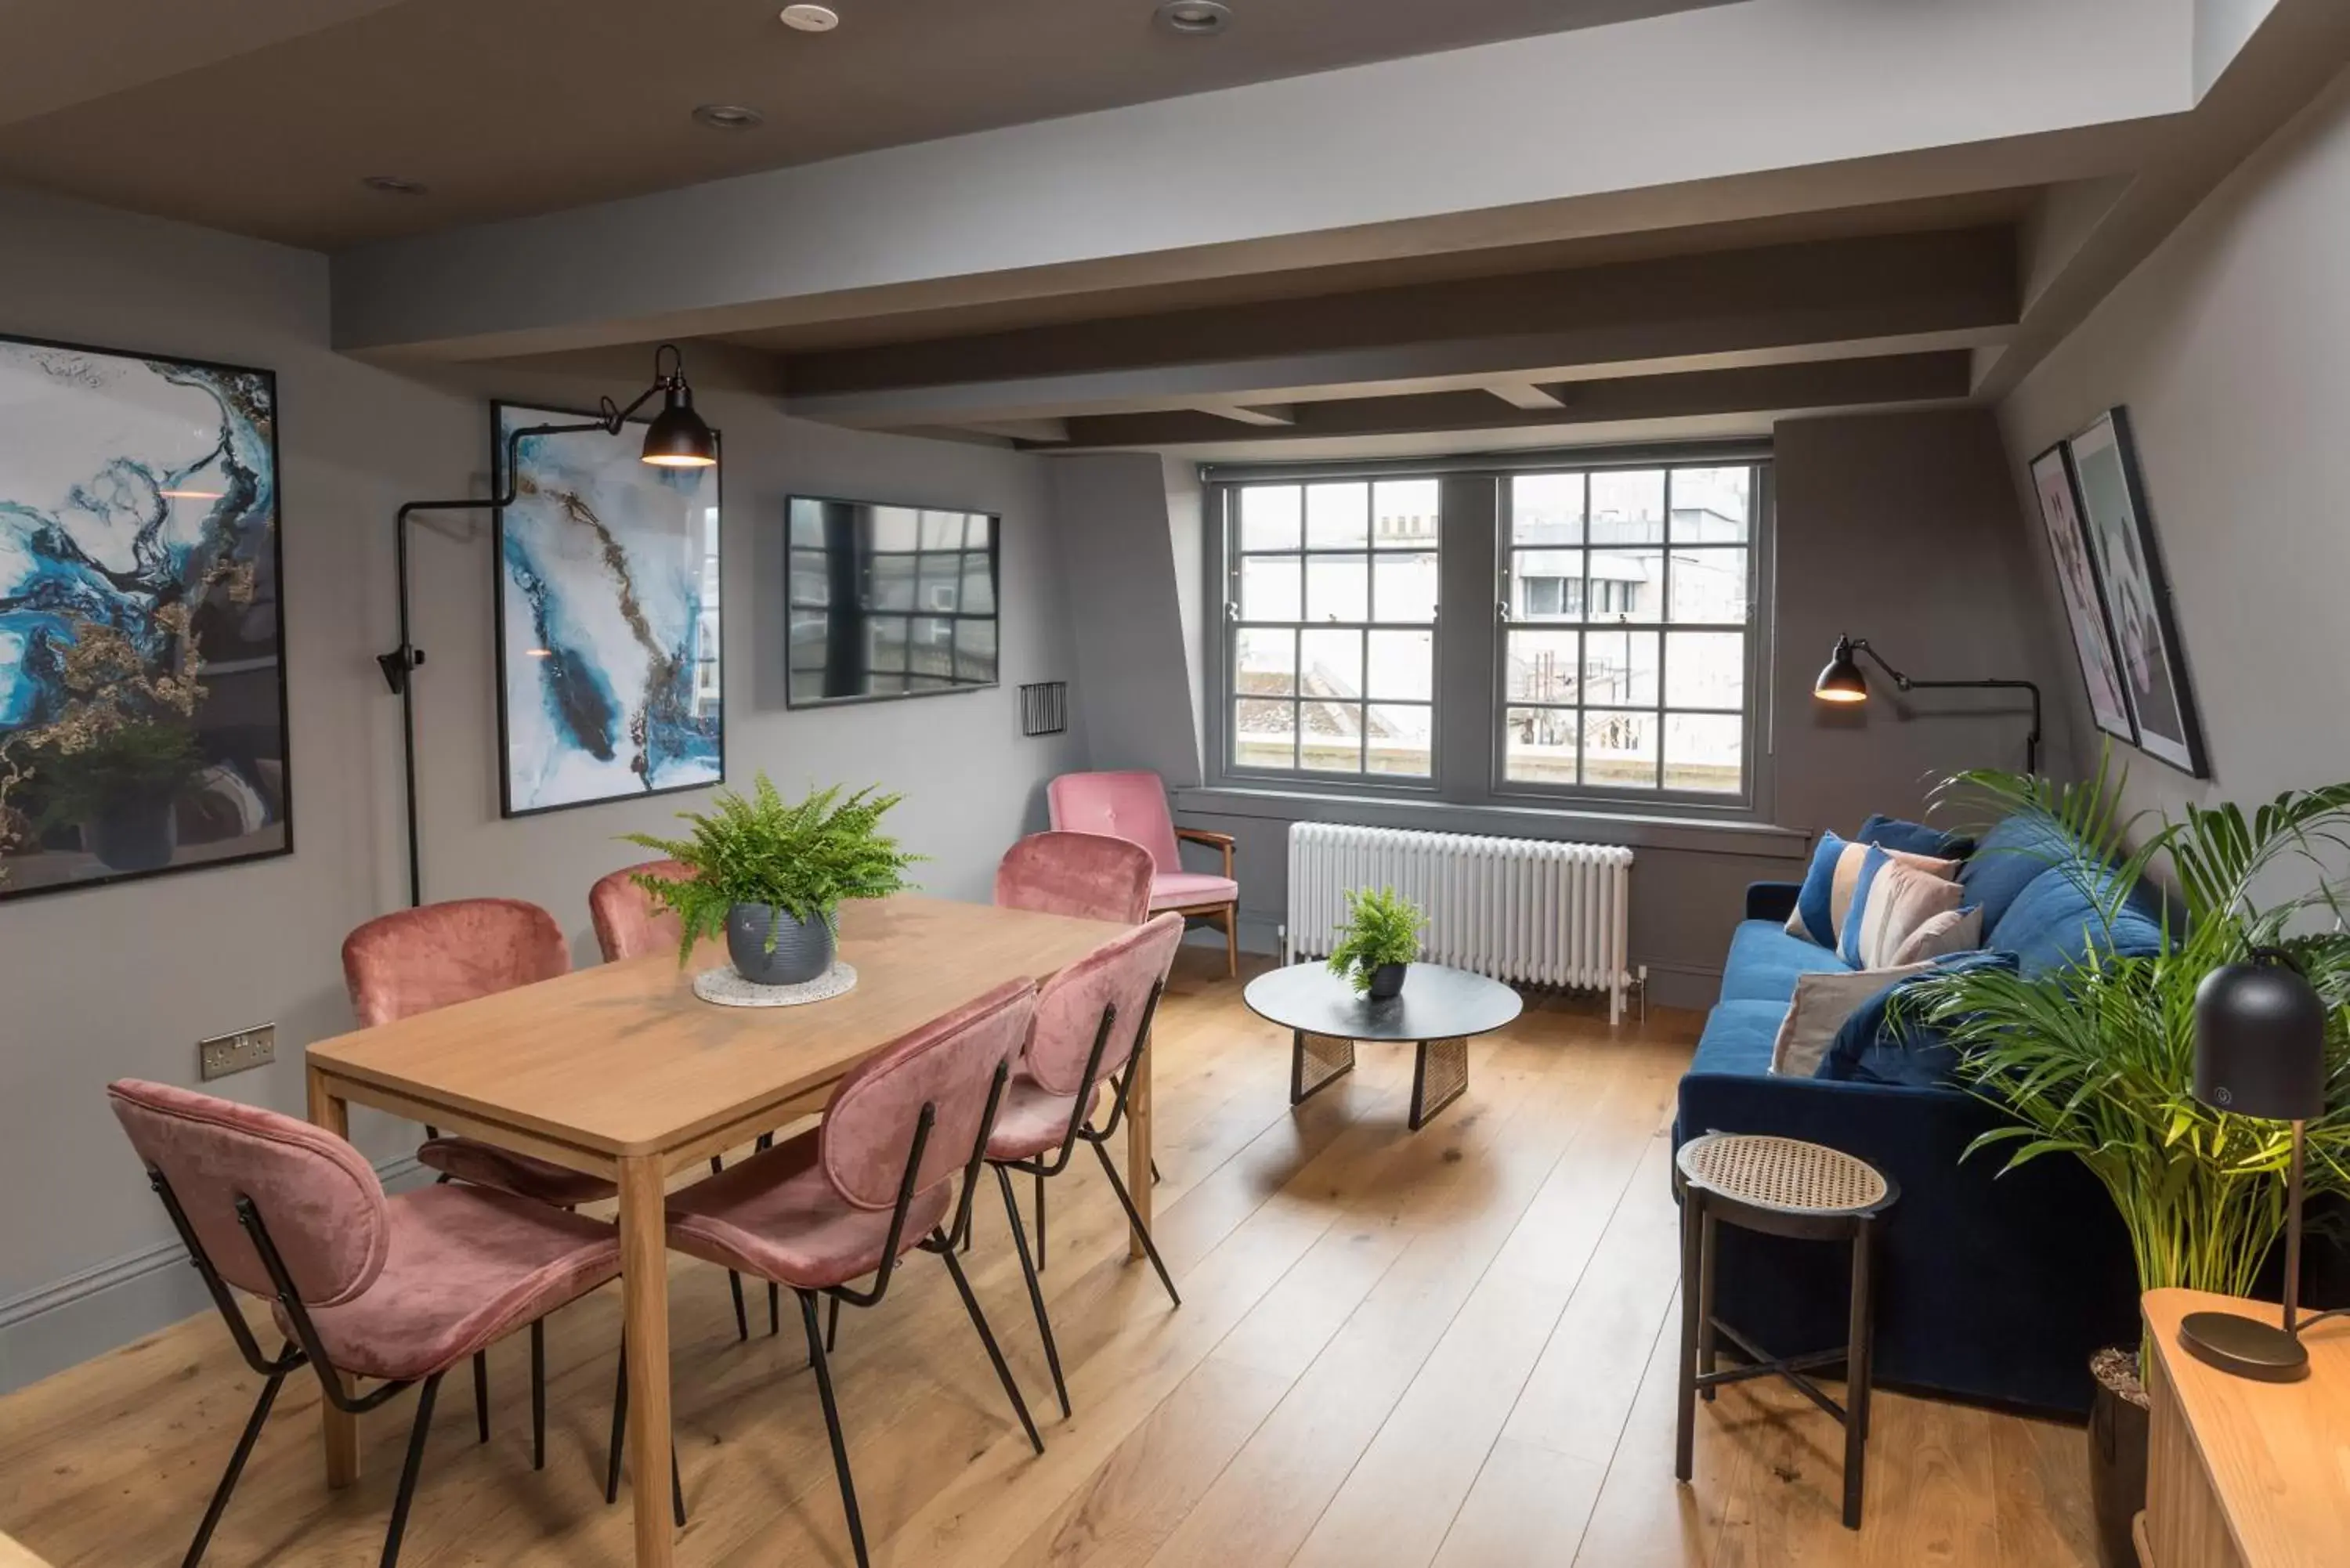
(2230, 346)
(114, 981)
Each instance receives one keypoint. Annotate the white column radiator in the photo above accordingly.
(1513, 909)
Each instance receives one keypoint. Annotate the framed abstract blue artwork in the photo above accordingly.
(610, 675)
(142, 680)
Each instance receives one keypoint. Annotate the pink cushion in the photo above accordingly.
(525, 1175)
(466, 1268)
(778, 1215)
(1118, 974)
(949, 1064)
(629, 923)
(1129, 805)
(414, 961)
(1034, 1120)
(1082, 874)
(1191, 889)
(322, 1203)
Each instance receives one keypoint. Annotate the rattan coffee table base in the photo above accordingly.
(1316, 1062)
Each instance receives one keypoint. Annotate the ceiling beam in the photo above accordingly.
(1526, 395)
(1240, 413)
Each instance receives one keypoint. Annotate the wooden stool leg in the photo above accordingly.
(1857, 1373)
(1693, 1223)
(1709, 1235)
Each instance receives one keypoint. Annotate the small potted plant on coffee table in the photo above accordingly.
(1379, 941)
(773, 876)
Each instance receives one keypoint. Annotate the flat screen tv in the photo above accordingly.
(888, 601)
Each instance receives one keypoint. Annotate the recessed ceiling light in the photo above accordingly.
(393, 185)
(729, 117)
(811, 19)
(1194, 18)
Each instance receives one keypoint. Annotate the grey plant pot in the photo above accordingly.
(1386, 981)
(803, 947)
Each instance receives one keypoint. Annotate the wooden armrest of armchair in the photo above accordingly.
(1222, 841)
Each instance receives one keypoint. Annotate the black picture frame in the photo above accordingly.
(793, 700)
(12, 887)
(506, 807)
(2080, 584)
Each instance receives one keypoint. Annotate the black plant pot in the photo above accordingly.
(2118, 1432)
(803, 949)
(1386, 981)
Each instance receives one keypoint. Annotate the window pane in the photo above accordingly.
(1404, 514)
(1546, 666)
(889, 583)
(811, 581)
(978, 582)
(1265, 734)
(974, 651)
(1619, 750)
(1539, 745)
(1713, 505)
(1627, 586)
(1337, 587)
(1269, 588)
(1332, 741)
(1710, 586)
(930, 650)
(1269, 514)
(1546, 585)
(1705, 669)
(938, 582)
(1619, 667)
(1404, 588)
(1399, 740)
(1627, 507)
(942, 530)
(1338, 517)
(1330, 663)
(1705, 752)
(1546, 509)
(1402, 666)
(895, 528)
(1267, 662)
(885, 647)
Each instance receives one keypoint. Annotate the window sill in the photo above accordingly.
(1637, 830)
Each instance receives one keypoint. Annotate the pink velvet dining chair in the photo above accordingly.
(1086, 875)
(396, 1289)
(1133, 806)
(877, 1179)
(1092, 1024)
(630, 922)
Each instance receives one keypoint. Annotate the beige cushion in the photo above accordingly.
(1898, 900)
(1846, 880)
(1951, 931)
(1822, 1001)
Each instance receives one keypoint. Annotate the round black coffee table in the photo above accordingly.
(1440, 1010)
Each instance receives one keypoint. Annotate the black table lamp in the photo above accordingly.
(1843, 681)
(2259, 1051)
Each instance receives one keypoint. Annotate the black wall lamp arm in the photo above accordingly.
(1903, 682)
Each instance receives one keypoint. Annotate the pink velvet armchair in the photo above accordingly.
(1133, 806)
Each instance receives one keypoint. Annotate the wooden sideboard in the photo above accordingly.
(2244, 1474)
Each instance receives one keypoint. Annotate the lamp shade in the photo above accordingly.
(1841, 680)
(2259, 1043)
(678, 437)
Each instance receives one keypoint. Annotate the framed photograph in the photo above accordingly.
(610, 663)
(142, 682)
(2137, 594)
(2084, 600)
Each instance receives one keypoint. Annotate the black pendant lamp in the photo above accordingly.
(678, 437)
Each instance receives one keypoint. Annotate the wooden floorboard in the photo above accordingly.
(1454, 1347)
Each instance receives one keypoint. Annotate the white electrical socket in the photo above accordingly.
(225, 1054)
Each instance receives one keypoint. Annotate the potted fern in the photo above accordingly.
(1377, 943)
(2096, 1060)
(773, 876)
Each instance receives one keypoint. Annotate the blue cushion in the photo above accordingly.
(1872, 861)
(2063, 911)
(1816, 903)
(1737, 1037)
(1878, 1046)
(1764, 962)
(1915, 838)
(2018, 849)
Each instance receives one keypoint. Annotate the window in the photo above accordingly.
(1626, 648)
(1331, 667)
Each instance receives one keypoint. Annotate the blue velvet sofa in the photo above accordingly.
(1993, 1288)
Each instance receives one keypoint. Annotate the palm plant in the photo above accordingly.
(2096, 1059)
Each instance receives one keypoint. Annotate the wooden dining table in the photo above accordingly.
(621, 1071)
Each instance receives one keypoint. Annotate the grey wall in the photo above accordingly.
(120, 981)
(2231, 347)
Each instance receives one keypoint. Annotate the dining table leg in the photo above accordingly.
(338, 1428)
(644, 1306)
(1138, 1147)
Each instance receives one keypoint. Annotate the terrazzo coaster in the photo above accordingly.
(727, 987)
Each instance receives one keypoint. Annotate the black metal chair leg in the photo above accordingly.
(619, 1436)
(228, 1480)
(774, 1309)
(1155, 1176)
(742, 1318)
(407, 1494)
(481, 1393)
(816, 1360)
(1036, 1291)
(538, 1394)
(1708, 1229)
(832, 1325)
(1040, 1223)
(1141, 1232)
(1858, 1372)
(987, 1338)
